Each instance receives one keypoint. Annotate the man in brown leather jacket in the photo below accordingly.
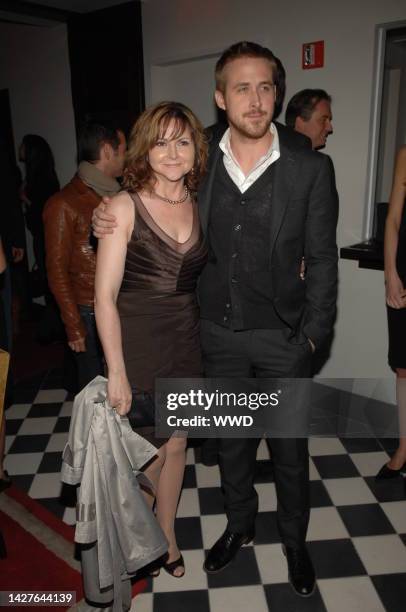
(70, 257)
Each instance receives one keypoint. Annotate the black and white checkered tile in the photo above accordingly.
(356, 537)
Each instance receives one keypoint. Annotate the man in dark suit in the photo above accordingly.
(267, 201)
(309, 112)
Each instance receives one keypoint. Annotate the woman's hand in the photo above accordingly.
(395, 292)
(103, 222)
(119, 393)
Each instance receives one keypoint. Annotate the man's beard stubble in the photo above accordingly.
(251, 129)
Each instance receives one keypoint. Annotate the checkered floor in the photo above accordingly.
(356, 538)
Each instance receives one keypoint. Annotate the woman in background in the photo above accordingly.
(146, 274)
(395, 281)
(40, 183)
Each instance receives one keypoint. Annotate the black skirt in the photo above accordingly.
(397, 337)
(397, 317)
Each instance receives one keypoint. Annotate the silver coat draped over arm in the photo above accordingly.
(105, 455)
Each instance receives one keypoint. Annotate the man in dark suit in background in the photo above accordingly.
(266, 202)
(309, 113)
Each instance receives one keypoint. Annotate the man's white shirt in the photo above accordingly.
(233, 168)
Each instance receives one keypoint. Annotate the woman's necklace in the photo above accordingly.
(173, 202)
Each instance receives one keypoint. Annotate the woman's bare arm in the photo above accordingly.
(111, 254)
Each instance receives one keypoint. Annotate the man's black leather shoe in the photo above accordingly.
(301, 572)
(224, 551)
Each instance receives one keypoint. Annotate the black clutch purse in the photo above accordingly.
(142, 412)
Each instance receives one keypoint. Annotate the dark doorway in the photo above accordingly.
(12, 228)
(106, 61)
(11, 217)
(6, 129)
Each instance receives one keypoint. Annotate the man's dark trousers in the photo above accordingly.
(261, 353)
(90, 362)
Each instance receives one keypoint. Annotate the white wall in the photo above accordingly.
(402, 99)
(168, 80)
(180, 29)
(34, 67)
(389, 128)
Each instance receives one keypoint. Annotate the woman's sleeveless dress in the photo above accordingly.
(157, 303)
(397, 318)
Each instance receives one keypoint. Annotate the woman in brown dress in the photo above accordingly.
(146, 309)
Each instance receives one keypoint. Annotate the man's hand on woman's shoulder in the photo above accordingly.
(102, 221)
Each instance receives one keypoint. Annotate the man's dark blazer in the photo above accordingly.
(304, 210)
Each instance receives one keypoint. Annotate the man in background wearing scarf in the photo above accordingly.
(70, 256)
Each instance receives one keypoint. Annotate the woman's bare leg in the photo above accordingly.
(399, 458)
(166, 474)
(168, 492)
(153, 472)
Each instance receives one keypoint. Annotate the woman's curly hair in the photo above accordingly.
(150, 127)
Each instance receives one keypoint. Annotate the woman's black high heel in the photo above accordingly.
(173, 566)
(386, 473)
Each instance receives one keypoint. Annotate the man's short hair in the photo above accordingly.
(303, 103)
(251, 49)
(93, 135)
(280, 79)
